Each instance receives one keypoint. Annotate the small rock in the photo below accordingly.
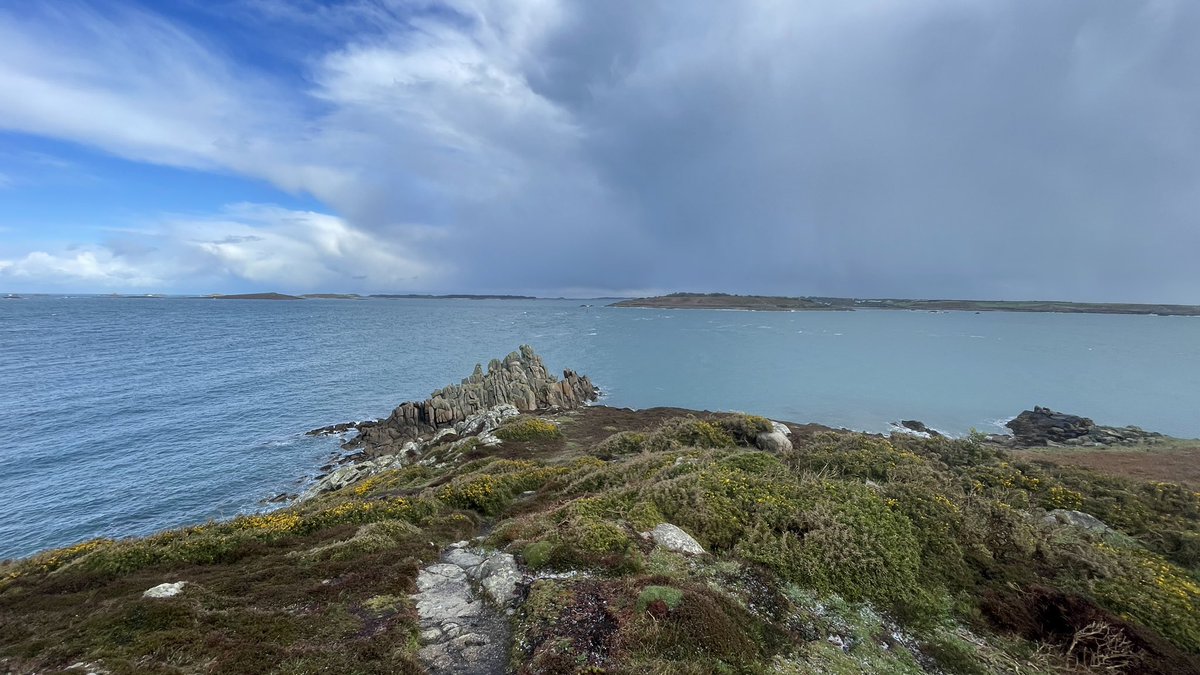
(88, 668)
(773, 441)
(165, 590)
(499, 578)
(463, 558)
(1077, 518)
(672, 538)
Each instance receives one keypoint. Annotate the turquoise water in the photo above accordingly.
(124, 416)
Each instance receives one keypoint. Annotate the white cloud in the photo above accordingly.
(249, 246)
(92, 267)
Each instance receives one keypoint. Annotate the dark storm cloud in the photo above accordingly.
(928, 148)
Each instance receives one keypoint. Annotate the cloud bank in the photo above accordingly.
(935, 148)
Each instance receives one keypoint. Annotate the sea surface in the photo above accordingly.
(123, 416)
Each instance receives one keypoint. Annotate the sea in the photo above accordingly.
(124, 416)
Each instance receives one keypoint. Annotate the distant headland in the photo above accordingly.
(777, 303)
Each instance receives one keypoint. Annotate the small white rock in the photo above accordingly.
(165, 590)
(773, 441)
(672, 538)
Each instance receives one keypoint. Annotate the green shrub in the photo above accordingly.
(492, 486)
(669, 596)
(688, 432)
(537, 554)
(744, 429)
(1146, 588)
(370, 538)
(619, 444)
(528, 429)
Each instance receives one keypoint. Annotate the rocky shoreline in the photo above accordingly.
(465, 416)
(502, 526)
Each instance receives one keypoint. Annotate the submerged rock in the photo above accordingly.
(920, 428)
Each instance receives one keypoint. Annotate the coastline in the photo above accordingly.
(721, 301)
(504, 524)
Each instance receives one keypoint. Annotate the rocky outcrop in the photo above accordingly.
(477, 428)
(464, 630)
(1043, 426)
(520, 380)
(919, 427)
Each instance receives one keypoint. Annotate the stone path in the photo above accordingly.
(463, 603)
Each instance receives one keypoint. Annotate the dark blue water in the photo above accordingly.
(124, 416)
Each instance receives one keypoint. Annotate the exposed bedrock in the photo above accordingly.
(1043, 426)
(520, 380)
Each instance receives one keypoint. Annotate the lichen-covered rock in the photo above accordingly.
(674, 539)
(165, 590)
(460, 632)
(1078, 519)
(773, 441)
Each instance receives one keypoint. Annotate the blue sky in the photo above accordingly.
(933, 148)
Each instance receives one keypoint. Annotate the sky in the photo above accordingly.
(1009, 149)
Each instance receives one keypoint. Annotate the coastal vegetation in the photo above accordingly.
(847, 553)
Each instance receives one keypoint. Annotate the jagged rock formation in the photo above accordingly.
(521, 380)
(1043, 426)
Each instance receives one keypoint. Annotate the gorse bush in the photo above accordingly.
(816, 560)
(494, 484)
(528, 429)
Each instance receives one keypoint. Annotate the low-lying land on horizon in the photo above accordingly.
(778, 303)
(468, 536)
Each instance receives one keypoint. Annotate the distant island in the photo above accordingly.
(355, 296)
(777, 303)
(255, 296)
(456, 296)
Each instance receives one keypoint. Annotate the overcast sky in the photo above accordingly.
(896, 148)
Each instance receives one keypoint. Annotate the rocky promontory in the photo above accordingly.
(520, 380)
(1045, 427)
